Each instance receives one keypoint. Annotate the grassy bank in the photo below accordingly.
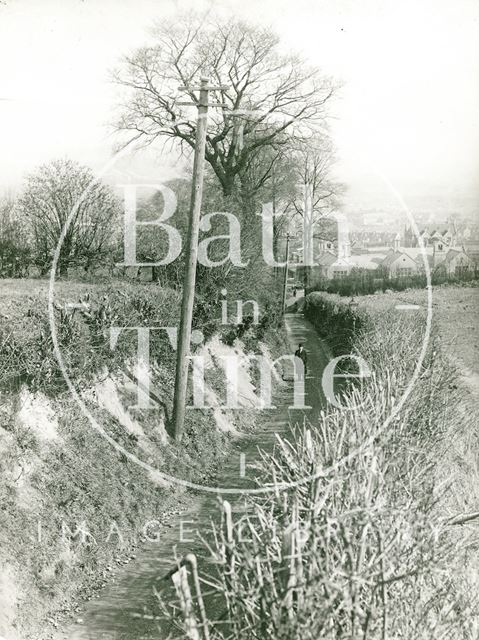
(365, 543)
(73, 506)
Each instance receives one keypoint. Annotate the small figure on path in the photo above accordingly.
(294, 292)
(302, 355)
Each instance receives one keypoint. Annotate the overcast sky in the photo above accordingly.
(410, 71)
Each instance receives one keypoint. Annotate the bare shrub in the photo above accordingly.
(353, 541)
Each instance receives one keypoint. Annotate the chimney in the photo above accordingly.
(344, 248)
(397, 242)
(438, 252)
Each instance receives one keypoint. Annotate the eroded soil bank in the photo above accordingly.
(127, 606)
(74, 507)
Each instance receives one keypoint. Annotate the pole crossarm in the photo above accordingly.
(195, 104)
(207, 87)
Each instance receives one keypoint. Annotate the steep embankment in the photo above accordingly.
(74, 506)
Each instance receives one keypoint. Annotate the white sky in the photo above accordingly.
(409, 105)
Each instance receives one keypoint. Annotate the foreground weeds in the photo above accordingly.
(353, 540)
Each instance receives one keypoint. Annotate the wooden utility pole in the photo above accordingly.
(184, 335)
(276, 271)
(285, 280)
(307, 233)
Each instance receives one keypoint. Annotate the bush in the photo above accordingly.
(357, 546)
(27, 355)
(366, 283)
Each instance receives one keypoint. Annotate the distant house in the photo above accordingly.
(429, 234)
(398, 264)
(367, 261)
(422, 256)
(435, 250)
(329, 266)
(371, 239)
(324, 239)
(471, 248)
(327, 244)
(456, 263)
(341, 268)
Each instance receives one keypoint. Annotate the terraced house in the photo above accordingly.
(434, 250)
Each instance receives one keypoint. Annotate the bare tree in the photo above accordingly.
(309, 195)
(14, 241)
(313, 162)
(268, 96)
(64, 191)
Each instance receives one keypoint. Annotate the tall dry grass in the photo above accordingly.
(353, 541)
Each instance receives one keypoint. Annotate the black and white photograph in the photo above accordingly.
(239, 334)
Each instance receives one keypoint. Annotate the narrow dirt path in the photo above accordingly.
(126, 609)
